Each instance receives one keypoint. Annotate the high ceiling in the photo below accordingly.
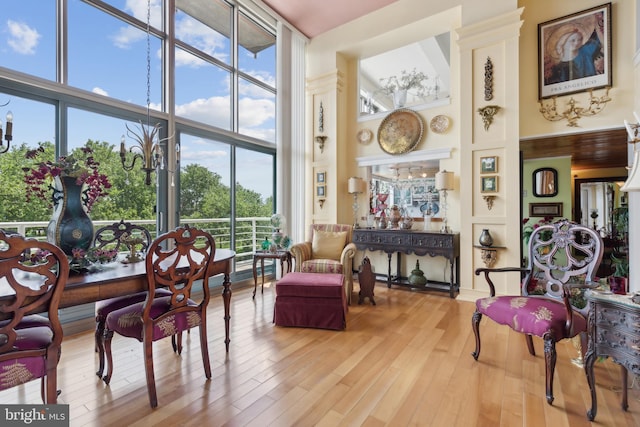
(314, 17)
(588, 150)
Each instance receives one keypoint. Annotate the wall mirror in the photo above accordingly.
(596, 200)
(545, 182)
(430, 56)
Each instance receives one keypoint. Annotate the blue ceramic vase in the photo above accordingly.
(70, 226)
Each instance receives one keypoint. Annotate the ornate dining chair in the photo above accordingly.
(563, 258)
(115, 236)
(329, 249)
(33, 275)
(176, 261)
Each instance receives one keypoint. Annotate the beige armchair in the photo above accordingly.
(328, 250)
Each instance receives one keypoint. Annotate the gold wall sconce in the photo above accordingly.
(488, 200)
(487, 114)
(573, 112)
(320, 140)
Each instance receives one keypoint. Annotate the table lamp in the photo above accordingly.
(444, 183)
(356, 186)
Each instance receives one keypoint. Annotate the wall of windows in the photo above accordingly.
(205, 70)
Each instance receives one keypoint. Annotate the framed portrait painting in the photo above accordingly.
(574, 52)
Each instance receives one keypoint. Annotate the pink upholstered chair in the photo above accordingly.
(175, 261)
(328, 250)
(111, 237)
(33, 275)
(562, 260)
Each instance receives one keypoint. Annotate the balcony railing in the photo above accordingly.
(249, 232)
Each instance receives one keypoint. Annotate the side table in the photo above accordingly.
(613, 331)
(282, 255)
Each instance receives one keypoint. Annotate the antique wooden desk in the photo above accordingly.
(119, 279)
(614, 331)
(418, 242)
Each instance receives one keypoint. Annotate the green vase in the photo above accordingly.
(417, 276)
(70, 226)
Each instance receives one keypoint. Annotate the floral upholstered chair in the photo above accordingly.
(113, 236)
(175, 261)
(328, 250)
(563, 258)
(33, 275)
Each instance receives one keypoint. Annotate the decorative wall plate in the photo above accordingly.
(440, 124)
(365, 136)
(400, 132)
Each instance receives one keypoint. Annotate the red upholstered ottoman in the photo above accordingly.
(311, 300)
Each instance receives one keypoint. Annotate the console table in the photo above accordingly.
(418, 242)
(613, 331)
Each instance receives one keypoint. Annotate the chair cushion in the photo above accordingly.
(310, 285)
(104, 307)
(29, 337)
(321, 266)
(127, 321)
(530, 315)
(328, 244)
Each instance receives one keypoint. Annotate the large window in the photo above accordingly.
(218, 97)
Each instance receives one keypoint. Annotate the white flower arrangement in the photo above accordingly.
(407, 80)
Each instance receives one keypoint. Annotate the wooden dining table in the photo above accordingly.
(119, 279)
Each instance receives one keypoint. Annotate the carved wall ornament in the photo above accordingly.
(488, 80)
(487, 114)
(321, 119)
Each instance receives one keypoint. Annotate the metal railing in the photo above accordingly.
(249, 233)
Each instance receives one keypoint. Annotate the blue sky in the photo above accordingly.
(108, 57)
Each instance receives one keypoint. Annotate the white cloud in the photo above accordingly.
(100, 91)
(22, 38)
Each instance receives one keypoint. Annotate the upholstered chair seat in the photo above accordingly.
(329, 249)
(175, 262)
(30, 344)
(563, 258)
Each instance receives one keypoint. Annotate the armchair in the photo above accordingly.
(328, 250)
(563, 257)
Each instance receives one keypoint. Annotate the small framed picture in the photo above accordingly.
(321, 177)
(545, 209)
(321, 191)
(489, 184)
(489, 164)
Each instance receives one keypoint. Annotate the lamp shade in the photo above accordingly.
(633, 181)
(355, 185)
(444, 180)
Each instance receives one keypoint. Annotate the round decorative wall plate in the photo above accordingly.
(365, 136)
(400, 132)
(439, 124)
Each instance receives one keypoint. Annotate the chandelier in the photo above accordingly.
(148, 148)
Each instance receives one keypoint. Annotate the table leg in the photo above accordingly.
(226, 297)
(389, 255)
(623, 371)
(451, 286)
(262, 272)
(255, 276)
(589, 359)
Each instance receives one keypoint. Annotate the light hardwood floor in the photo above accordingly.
(404, 362)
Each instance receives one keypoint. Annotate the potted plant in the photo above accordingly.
(397, 87)
(618, 281)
